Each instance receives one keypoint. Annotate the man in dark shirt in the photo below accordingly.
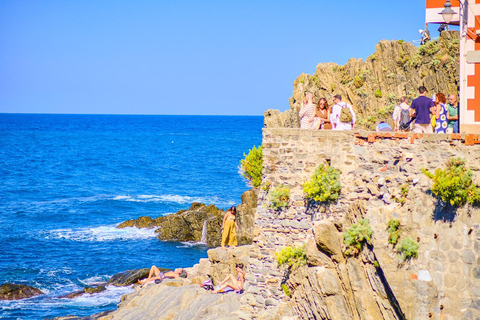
(420, 109)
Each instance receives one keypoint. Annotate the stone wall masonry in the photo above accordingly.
(442, 283)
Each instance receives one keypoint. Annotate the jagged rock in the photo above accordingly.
(223, 261)
(142, 222)
(164, 302)
(89, 290)
(129, 277)
(10, 291)
(329, 239)
(396, 68)
(316, 257)
(188, 225)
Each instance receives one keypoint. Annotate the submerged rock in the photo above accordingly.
(89, 290)
(10, 291)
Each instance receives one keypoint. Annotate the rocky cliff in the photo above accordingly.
(373, 87)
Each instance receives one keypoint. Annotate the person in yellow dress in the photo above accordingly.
(229, 226)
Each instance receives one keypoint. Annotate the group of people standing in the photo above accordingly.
(319, 116)
(429, 114)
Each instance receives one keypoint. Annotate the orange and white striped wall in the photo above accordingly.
(469, 95)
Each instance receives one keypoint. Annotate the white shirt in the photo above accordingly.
(397, 112)
(335, 117)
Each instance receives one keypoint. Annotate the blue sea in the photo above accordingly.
(67, 181)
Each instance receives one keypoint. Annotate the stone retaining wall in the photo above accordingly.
(443, 283)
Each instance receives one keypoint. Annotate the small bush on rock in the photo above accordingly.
(292, 256)
(356, 236)
(408, 249)
(393, 226)
(286, 290)
(279, 197)
(324, 185)
(251, 166)
(454, 184)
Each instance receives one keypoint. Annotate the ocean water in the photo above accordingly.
(67, 181)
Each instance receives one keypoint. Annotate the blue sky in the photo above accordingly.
(182, 57)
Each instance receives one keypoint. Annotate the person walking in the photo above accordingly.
(420, 109)
(342, 116)
(401, 114)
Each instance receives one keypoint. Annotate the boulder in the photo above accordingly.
(129, 277)
(328, 239)
(10, 291)
(89, 290)
(142, 222)
(224, 260)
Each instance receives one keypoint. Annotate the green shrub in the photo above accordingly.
(400, 41)
(376, 264)
(324, 185)
(356, 236)
(286, 290)
(454, 184)
(332, 87)
(251, 166)
(279, 197)
(266, 186)
(378, 93)
(292, 256)
(408, 249)
(393, 226)
(358, 81)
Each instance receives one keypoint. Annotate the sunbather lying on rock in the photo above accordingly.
(156, 274)
(230, 283)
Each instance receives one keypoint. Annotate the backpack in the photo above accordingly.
(404, 116)
(345, 115)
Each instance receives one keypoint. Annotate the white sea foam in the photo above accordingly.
(111, 295)
(102, 233)
(191, 244)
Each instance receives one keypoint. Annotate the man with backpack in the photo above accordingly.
(342, 116)
(401, 115)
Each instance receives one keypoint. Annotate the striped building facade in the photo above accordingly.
(467, 16)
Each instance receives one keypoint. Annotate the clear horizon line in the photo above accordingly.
(136, 114)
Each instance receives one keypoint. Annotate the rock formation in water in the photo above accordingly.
(10, 291)
(373, 87)
(201, 223)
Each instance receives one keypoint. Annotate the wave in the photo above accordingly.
(192, 244)
(172, 198)
(111, 295)
(99, 234)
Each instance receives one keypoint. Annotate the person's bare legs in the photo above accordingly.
(234, 287)
(152, 275)
(229, 277)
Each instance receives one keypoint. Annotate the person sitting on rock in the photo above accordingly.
(156, 274)
(230, 283)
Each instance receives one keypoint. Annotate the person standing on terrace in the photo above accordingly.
(306, 112)
(452, 113)
(420, 108)
(342, 116)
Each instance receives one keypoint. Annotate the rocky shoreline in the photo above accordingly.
(201, 223)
